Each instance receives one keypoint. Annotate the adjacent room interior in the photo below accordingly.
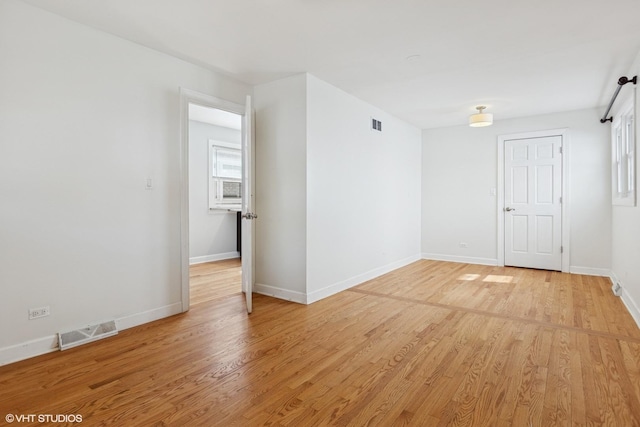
(215, 202)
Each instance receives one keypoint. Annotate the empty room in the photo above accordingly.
(319, 213)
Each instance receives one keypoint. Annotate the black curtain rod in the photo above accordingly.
(621, 82)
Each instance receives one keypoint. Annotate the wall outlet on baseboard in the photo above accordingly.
(35, 313)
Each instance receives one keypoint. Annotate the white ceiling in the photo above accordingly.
(519, 58)
(214, 116)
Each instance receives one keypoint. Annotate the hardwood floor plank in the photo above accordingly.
(625, 398)
(631, 355)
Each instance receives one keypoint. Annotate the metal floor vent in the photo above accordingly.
(71, 339)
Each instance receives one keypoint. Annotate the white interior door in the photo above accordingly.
(248, 215)
(533, 202)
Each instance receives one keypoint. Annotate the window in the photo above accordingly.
(225, 175)
(623, 155)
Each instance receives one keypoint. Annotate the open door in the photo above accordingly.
(248, 215)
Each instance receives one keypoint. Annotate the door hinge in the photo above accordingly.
(560, 200)
(560, 149)
(561, 249)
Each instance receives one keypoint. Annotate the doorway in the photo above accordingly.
(215, 194)
(533, 226)
(225, 186)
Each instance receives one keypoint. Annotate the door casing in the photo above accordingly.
(566, 199)
(187, 97)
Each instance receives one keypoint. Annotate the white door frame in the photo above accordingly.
(187, 97)
(566, 200)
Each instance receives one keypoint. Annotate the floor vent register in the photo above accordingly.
(67, 340)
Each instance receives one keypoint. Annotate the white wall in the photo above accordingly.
(363, 191)
(337, 203)
(626, 233)
(460, 168)
(85, 118)
(212, 233)
(458, 171)
(281, 191)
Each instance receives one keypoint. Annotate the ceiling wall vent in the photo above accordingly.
(376, 125)
(67, 340)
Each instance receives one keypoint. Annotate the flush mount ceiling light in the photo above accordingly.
(480, 119)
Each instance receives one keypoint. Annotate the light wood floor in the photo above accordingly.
(213, 280)
(431, 344)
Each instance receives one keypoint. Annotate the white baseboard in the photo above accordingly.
(284, 294)
(356, 280)
(138, 319)
(49, 343)
(614, 279)
(588, 271)
(461, 259)
(215, 257)
(631, 305)
(327, 291)
(28, 349)
(628, 302)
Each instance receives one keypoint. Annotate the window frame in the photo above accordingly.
(623, 154)
(217, 179)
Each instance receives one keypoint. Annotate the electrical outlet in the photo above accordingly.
(35, 313)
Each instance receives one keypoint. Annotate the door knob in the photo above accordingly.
(509, 209)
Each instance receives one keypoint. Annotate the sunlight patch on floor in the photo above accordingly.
(469, 277)
(489, 278)
(498, 279)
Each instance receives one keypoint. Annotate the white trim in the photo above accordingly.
(460, 259)
(614, 279)
(216, 180)
(49, 343)
(566, 199)
(26, 350)
(148, 316)
(589, 271)
(632, 307)
(333, 289)
(225, 144)
(626, 109)
(187, 97)
(284, 294)
(628, 302)
(214, 257)
(360, 278)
